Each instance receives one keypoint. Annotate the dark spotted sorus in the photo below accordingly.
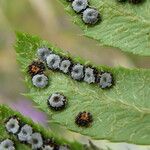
(36, 67)
(57, 101)
(84, 119)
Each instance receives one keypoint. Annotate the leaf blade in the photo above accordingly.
(119, 113)
(6, 112)
(123, 26)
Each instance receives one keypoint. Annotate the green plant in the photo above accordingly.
(120, 113)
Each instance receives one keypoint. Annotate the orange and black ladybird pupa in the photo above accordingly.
(36, 67)
(84, 119)
(57, 101)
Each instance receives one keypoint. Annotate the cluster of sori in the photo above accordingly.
(132, 1)
(90, 15)
(27, 135)
(58, 101)
(77, 71)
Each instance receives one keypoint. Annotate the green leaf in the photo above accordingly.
(125, 26)
(6, 112)
(121, 114)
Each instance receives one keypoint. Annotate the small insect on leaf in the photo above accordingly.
(84, 119)
(57, 101)
(36, 67)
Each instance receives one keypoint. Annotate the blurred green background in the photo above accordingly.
(47, 19)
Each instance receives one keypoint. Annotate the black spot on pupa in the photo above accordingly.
(36, 67)
(84, 119)
(57, 101)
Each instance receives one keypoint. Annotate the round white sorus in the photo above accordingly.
(65, 65)
(90, 16)
(43, 53)
(36, 141)
(40, 80)
(53, 61)
(48, 147)
(57, 101)
(77, 72)
(12, 125)
(89, 75)
(79, 5)
(7, 145)
(25, 133)
(106, 80)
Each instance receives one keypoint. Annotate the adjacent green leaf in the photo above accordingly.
(6, 112)
(121, 114)
(125, 26)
